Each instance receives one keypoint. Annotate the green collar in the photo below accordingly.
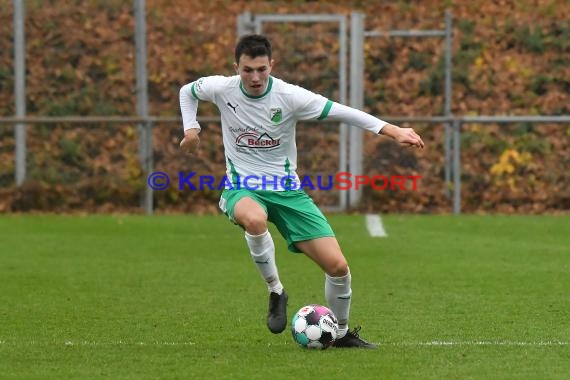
(269, 85)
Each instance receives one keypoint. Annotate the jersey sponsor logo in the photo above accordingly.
(236, 130)
(276, 115)
(256, 141)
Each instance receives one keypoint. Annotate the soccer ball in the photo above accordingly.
(314, 326)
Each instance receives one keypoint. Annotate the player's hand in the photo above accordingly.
(409, 137)
(404, 136)
(190, 142)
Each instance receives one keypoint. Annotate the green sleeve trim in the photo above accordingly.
(326, 110)
(194, 91)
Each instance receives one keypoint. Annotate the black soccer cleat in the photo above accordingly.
(352, 339)
(277, 314)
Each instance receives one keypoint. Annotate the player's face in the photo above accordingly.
(254, 73)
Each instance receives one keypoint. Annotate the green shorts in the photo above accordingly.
(293, 212)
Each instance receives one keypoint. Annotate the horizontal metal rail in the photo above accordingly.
(99, 119)
(405, 33)
(215, 119)
(298, 18)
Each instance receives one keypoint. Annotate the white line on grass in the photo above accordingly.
(375, 226)
(93, 343)
(435, 343)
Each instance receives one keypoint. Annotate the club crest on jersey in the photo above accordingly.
(276, 115)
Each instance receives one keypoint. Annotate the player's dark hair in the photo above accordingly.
(253, 45)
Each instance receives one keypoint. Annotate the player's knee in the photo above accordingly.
(254, 224)
(338, 268)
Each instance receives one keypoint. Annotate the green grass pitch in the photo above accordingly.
(134, 297)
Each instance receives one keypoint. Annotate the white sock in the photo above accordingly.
(262, 252)
(338, 294)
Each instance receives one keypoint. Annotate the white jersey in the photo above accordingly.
(259, 131)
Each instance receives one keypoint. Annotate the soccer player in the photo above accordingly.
(259, 114)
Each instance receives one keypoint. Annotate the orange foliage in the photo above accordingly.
(510, 57)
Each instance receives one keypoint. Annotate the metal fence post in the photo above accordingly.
(145, 129)
(148, 168)
(457, 167)
(20, 90)
(244, 24)
(356, 100)
(447, 98)
(343, 90)
(447, 157)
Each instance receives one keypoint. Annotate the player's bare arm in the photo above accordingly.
(404, 136)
